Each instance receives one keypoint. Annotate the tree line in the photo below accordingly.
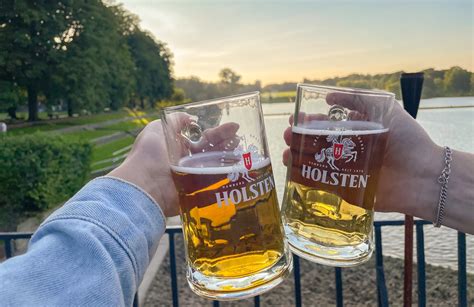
(229, 83)
(451, 82)
(81, 54)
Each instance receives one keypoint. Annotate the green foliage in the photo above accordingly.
(152, 67)
(106, 151)
(457, 80)
(38, 171)
(228, 76)
(196, 89)
(80, 54)
(437, 83)
(32, 34)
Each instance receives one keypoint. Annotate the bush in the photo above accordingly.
(37, 172)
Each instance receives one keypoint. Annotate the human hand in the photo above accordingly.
(410, 158)
(147, 165)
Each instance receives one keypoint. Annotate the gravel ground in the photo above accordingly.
(318, 286)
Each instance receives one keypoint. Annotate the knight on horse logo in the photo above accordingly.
(341, 149)
(242, 168)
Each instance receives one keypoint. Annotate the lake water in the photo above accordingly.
(452, 127)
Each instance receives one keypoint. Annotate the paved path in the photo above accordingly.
(101, 124)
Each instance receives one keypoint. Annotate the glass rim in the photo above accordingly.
(210, 101)
(351, 90)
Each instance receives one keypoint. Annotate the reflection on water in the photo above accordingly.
(452, 127)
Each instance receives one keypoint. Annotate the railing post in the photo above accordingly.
(174, 277)
(297, 277)
(382, 295)
(256, 301)
(8, 248)
(339, 295)
(135, 300)
(420, 256)
(462, 278)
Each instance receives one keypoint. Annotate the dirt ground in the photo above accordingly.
(318, 286)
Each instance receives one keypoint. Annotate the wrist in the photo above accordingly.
(140, 179)
(426, 185)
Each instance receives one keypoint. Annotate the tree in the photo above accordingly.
(95, 67)
(395, 88)
(472, 85)
(78, 79)
(32, 33)
(258, 85)
(457, 81)
(10, 97)
(152, 67)
(228, 76)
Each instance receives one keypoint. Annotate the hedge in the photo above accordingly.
(39, 171)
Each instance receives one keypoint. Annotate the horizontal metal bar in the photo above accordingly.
(15, 235)
(399, 223)
(173, 230)
(178, 229)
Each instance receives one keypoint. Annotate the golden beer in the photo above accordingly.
(220, 164)
(231, 219)
(330, 193)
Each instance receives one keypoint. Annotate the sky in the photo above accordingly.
(277, 41)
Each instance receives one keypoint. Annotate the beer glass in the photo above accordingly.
(220, 163)
(337, 148)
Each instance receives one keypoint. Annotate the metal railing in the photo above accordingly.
(382, 292)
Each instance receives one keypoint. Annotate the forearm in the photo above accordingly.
(459, 207)
(92, 251)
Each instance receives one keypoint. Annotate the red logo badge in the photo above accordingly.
(337, 149)
(247, 160)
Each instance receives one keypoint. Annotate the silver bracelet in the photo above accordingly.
(443, 179)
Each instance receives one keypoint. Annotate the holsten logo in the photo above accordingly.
(334, 178)
(251, 188)
(342, 149)
(245, 193)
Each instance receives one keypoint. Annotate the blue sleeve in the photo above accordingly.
(93, 251)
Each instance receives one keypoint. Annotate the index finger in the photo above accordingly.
(305, 118)
(367, 103)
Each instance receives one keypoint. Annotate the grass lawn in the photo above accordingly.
(24, 115)
(88, 134)
(105, 151)
(99, 132)
(47, 125)
(278, 96)
(102, 151)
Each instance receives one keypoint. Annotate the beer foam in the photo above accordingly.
(320, 127)
(197, 164)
